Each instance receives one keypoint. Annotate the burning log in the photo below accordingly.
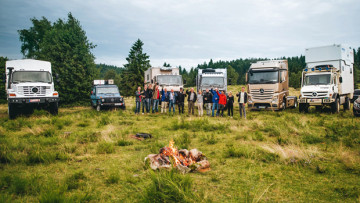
(184, 160)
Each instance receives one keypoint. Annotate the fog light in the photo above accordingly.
(103, 100)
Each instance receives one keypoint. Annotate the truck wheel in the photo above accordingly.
(335, 107)
(303, 108)
(318, 108)
(54, 108)
(283, 104)
(98, 107)
(12, 111)
(347, 104)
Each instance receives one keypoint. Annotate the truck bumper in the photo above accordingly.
(113, 104)
(36, 100)
(317, 101)
(263, 106)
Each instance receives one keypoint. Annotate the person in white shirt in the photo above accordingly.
(242, 101)
(200, 102)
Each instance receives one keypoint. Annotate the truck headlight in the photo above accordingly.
(103, 100)
(275, 100)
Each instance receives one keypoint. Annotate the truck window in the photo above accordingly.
(31, 76)
(262, 77)
(323, 79)
(283, 76)
(169, 80)
(212, 81)
(107, 90)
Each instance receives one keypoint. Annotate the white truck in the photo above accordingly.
(211, 78)
(328, 79)
(29, 85)
(166, 77)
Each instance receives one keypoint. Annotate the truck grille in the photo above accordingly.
(315, 94)
(113, 100)
(262, 94)
(32, 90)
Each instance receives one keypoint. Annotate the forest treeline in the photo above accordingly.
(64, 43)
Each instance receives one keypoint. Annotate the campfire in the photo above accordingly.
(183, 160)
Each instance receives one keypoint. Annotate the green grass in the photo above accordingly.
(82, 155)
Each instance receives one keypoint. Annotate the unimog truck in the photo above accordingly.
(268, 86)
(328, 79)
(30, 85)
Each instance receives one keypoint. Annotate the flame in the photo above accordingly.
(173, 152)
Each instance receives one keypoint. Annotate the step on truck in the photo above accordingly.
(106, 95)
(328, 79)
(211, 79)
(165, 77)
(30, 85)
(268, 86)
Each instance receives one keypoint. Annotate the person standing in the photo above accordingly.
(180, 100)
(242, 101)
(215, 101)
(155, 98)
(207, 101)
(230, 104)
(191, 100)
(172, 101)
(147, 93)
(164, 99)
(150, 89)
(137, 100)
(222, 103)
(200, 102)
(143, 99)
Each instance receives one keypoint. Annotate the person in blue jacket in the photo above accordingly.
(172, 101)
(164, 99)
(215, 101)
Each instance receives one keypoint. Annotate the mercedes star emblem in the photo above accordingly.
(262, 91)
(35, 89)
(314, 94)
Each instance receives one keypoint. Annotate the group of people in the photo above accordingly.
(215, 102)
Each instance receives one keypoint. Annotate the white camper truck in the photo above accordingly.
(29, 84)
(211, 78)
(168, 78)
(328, 79)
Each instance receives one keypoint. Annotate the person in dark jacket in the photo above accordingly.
(215, 101)
(180, 100)
(138, 100)
(143, 100)
(208, 101)
(147, 94)
(191, 100)
(230, 104)
(164, 99)
(242, 101)
(172, 101)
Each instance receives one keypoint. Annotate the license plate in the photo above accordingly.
(315, 100)
(261, 107)
(34, 100)
(118, 104)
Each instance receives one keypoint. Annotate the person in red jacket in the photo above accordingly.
(222, 102)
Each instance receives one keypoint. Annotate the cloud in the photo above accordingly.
(193, 31)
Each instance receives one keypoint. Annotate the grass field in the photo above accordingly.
(83, 155)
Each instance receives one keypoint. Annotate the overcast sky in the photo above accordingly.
(189, 32)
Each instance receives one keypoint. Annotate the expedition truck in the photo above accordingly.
(165, 77)
(29, 85)
(268, 86)
(328, 79)
(211, 78)
(105, 94)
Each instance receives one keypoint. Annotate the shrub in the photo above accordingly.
(105, 148)
(169, 186)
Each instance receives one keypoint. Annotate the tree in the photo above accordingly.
(166, 64)
(133, 73)
(66, 46)
(232, 75)
(2, 85)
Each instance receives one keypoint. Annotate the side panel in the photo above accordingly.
(347, 74)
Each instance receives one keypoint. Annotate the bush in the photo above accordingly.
(169, 186)
(105, 148)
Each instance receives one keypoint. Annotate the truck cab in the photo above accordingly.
(30, 85)
(165, 77)
(105, 94)
(211, 79)
(268, 86)
(328, 79)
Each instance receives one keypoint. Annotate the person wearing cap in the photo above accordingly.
(180, 100)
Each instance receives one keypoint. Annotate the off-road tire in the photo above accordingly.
(318, 108)
(54, 108)
(295, 104)
(283, 104)
(335, 107)
(303, 108)
(12, 111)
(347, 104)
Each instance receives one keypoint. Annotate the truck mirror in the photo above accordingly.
(340, 79)
(229, 81)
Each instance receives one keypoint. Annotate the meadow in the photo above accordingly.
(83, 155)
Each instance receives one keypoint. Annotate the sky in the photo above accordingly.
(191, 32)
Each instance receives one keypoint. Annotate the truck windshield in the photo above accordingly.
(212, 81)
(263, 77)
(323, 79)
(169, 80)
(107, 90)
(31, 76)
